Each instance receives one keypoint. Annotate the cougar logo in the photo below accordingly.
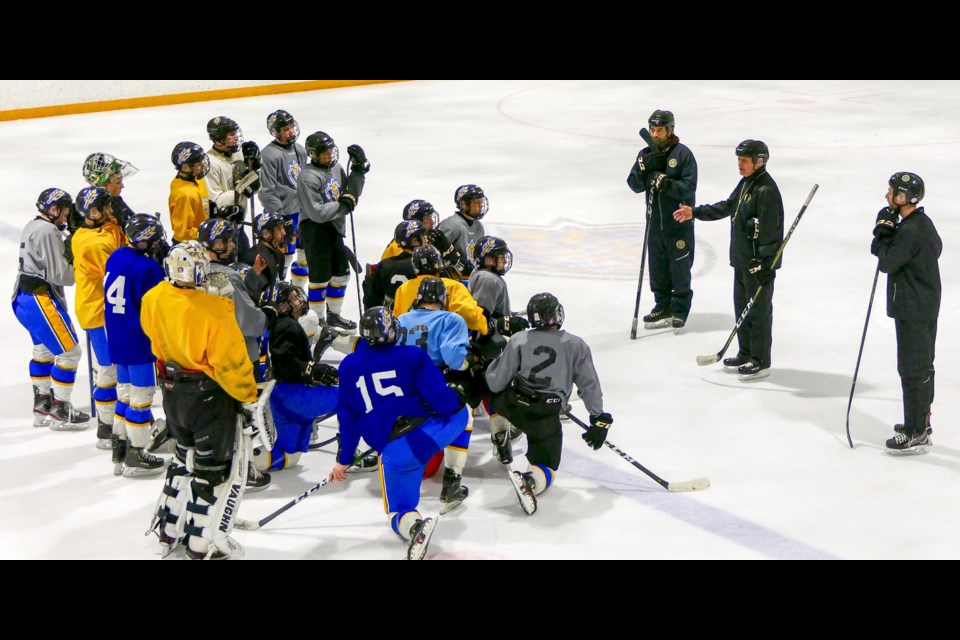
(293, 173)
(332, 191)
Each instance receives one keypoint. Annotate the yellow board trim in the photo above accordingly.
(180, 98)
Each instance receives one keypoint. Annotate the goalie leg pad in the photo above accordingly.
(168, 520)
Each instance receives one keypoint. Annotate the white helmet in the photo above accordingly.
(187, 263)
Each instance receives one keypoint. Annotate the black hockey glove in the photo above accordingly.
(596, 435)
(320, 373)
(160, 250)
(358, 159)
(439, 240)
(68, 250)
(458, 389)
(271, 312)
(657, 181)
(251, 189)
(886, 225)
(251, 155)
(349, 202)
(518, 324)
(232, 213)
(760, 268)
(652, 161)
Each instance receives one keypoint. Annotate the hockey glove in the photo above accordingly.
(458, 389)
(320, 373)
(652, 161)
(875, 247)
(760, 268)
(657, 181)
(251, 155)
(349, 202)
(596, 435)
(68, 250)
(160, 250)
(358, 159)
(518, 324)
(233, 213)
(886, 225)
(271, 312)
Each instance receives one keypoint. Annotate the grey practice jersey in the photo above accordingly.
(462, 234)
(549, 360)
(319, 194)
(252, 321)
(490, 291)
(279, 177)
(41, 256)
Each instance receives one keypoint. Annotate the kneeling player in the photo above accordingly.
(396, 399)
(532, 380)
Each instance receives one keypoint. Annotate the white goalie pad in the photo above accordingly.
(264, 429)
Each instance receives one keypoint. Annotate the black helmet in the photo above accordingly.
(219, 127)
(189, 153)
(280, 119)
(754, 149)
(379, 326)
(266, 221)
(432, 291)
(420, 210)
(427, 260)
(661, 118)
(464, 194)
(545, 311)
(285, 304)
(53, 197)
(909, 184)
(90, 198)
(143, 227)
(214, 229)
(492, 246)
(318, 142)
(408, 231)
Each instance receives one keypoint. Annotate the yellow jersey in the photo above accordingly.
(199, 332)
(459, 301)
(393, 249)
(189, 206)
(91, 248)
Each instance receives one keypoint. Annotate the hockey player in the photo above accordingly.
(229, 166)
(445, 337)
(427, 263)
(40, 304)
(131, 271)
(396, 399)
(189, 201)
(283, 159)
(383, 279)
(909, 247)
(327, 195)
(93, 243)
(755, 209)
(532, 380)
(205, 372)
(668, 174)
(463, 229)
(305, 387)
(218, 238)
(266, 256)
(104, 170)
(424, 213)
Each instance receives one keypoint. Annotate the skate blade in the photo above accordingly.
(755, 376)
(118, 468)
(447, 507)
(137, 472)
(731, 369)
(73, 426)
(418, 546)
(912, 451)
(660, 324)
(104, 445)
(41, 421)
(528, 501)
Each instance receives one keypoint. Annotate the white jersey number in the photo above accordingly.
(378, 379)
(115, 295)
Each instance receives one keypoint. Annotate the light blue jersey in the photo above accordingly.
(442, 333)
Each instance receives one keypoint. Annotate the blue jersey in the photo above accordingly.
(129, 276)
(380, 384)
(443, 334)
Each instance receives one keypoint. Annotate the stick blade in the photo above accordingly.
(246, 525)
(705, 360)
(690, 485)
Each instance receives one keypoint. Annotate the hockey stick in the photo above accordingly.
(93, 402)
(705, 360)
(250, 525)
(646, 237)
(356, 270)
(688, 485)
(863, 340)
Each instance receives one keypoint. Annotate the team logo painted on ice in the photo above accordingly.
(563, 249)
(293, 173)
(673, 163)
(332, 191)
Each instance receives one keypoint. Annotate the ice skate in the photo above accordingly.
(732, 365)
(337, 321)
(420, 534)
(658, 318)
(42, 408)
(523, 484)
(752, 371)
(64, 417)
(138, 463)
(453, 493)
(909, 444)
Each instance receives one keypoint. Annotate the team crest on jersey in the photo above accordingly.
(332, 191)
(558, 249)
(673, 163)
(746, 197)
(293, 173)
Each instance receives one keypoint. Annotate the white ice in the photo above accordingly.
(553, 158)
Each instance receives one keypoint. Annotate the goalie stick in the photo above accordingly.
(687, 485)
(710, 359)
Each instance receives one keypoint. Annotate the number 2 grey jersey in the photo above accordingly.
(550, 360)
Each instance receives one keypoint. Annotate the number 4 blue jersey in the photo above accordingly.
(443, 334)
(129, 276)
(380, 384)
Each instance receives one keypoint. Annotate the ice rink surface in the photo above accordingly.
(553, 158)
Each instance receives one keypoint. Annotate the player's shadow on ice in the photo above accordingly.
(799, 382)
